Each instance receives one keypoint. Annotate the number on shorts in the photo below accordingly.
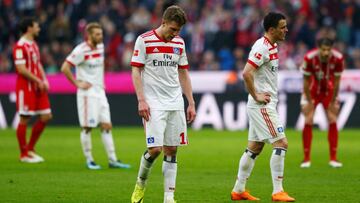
(182, 137)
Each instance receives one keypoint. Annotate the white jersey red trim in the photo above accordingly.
(161, 61)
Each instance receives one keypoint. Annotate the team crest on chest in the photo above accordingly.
(176, 50)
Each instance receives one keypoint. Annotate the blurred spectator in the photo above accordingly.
(218, 36)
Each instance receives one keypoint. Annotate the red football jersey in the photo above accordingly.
(322, 74)
(30, 101)
(27, 52)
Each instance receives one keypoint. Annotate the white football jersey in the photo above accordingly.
(89, 65)
(264, 57)
(161, 61)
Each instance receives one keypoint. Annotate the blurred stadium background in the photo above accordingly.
(218, 36)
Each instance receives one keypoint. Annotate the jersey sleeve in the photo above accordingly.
(138, 57)
(76, 57)
(306, 67)
(339, 67)
(19, 55)
(257, 56)
(183, 61)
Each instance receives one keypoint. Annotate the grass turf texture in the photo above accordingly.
(206, 171)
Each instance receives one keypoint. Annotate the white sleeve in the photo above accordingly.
(76, 57)
(138, 57)
(183, 61)
(257, 56)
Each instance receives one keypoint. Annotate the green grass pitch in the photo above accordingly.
(206, 169)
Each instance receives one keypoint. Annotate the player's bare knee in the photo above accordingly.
(255, 147)
(87, 129)
(106, 127)
(282, 143)
(46, 117)
(155, 151)
(170, 150)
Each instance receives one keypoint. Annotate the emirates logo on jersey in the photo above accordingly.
(258, 55)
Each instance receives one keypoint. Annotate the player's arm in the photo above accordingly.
(248, 75)
(22, 70)
(143, 107)
(306, 88)
(66, 69)
(185, 83)
(45, 80)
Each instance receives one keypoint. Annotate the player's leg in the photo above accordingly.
(88, 119)
(154, 132)
(308, 111)
(21, 135)
(43, 109)
(246, 165)
(247, 160)
(333, 134)
(175, 135)
(107, 139)
(277, 163)
(106, 134)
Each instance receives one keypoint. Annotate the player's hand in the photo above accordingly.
(83, 84)
(263, 98)
(41, 85)
(334, 106)
(190, 113)
(47, 86)
(308, 107)
(144, 110)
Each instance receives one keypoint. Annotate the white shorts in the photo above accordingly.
(166, 128)
(93, 110)
(264, 125)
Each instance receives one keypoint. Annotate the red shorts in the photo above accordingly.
(319, 99)
(32, 102)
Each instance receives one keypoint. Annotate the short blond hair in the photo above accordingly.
(90, 26)
(176, 14)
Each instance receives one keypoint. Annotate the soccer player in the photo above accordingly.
(160, 76)
(322, 70)
(260, 76)
(93, 107)
(31, 90)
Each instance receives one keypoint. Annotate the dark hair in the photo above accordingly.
(272, 20)
(324, 41)
(176, 14)
(25, 23)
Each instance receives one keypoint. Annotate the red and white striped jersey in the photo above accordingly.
(27, 52)
(89, 63)
(161, 61)
(322, 74)
(264, 57)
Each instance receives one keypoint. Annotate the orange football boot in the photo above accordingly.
(243, 196)
(282, 197)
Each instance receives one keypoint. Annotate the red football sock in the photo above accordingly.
(21, 137)
(333, 140)
(307, 138)
(35, 134)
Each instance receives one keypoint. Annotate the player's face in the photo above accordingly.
(170, 30)
(324, 52)
(35, 29)
(281, 30)
(96, 36)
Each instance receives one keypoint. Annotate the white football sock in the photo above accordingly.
(246, 165)
(146, 163)
(108, 142)
(277, 168)
(85, 139)
(169, 169)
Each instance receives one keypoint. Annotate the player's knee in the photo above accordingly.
(154, 151)
(281, 144)
(87, 129)
(106, 126)
(46, 118)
